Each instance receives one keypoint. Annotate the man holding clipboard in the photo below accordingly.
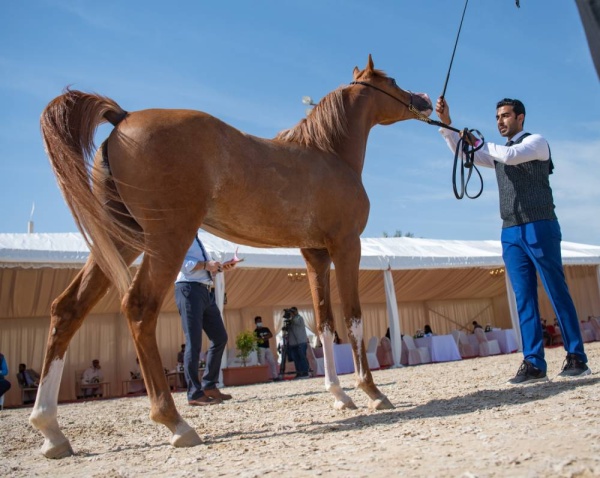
(195, 299)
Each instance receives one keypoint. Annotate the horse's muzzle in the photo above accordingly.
(422, 102)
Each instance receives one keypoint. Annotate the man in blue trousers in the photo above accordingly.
(531, 236)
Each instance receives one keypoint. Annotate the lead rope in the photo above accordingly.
(468, 156)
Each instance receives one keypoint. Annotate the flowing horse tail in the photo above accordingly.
(68, 125)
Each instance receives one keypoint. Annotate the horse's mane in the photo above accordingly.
(324, 126)
(327, 123)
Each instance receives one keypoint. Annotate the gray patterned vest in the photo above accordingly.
(525, 193)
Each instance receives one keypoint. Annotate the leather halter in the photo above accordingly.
(467, 150)
(418, 115)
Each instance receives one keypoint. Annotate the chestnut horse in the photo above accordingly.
(162, 174)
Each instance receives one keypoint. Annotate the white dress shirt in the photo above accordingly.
(194, 255)
(532, 148)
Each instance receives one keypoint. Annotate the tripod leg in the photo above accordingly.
(284, 356)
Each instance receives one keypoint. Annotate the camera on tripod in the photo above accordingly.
(287, 319)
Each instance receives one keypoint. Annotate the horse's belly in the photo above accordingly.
(310, 221)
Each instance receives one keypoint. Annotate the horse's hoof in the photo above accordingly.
(382, 403)
(186, 439)
(57, 451)
(349, 405)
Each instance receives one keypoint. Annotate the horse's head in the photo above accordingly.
(395, 104)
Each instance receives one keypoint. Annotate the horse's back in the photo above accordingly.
(190, 161)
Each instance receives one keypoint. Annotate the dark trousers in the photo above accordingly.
(532, 247)
(298, 354)
(199, 311)
(4, 386)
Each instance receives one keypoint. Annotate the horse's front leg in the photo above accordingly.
(67, 314)
(318, 264)
(347, 263)
(142, 305)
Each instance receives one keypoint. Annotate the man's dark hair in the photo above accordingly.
(518, 106)
(257, 318)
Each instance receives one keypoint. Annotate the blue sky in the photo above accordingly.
(250, 62)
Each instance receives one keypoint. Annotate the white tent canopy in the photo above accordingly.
(404, 283)
(398, 253)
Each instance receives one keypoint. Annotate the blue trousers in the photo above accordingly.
(199, 311)
(532, 247)
(4, 386)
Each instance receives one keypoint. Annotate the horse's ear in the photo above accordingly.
(370, 66)
(356, 72)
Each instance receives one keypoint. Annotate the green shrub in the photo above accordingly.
(245, 343)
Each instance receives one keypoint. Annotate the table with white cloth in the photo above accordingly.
(342, 354)
(506, 338)
(443, 348)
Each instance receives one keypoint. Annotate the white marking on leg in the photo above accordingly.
(43, 415)
(332, 383)
(356, 331)
(184, 435)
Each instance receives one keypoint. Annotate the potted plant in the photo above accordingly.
(245, 343)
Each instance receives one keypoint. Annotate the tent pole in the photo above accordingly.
(393, 316)
(514, 314)
(220, 299)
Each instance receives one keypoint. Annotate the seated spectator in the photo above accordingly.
(180, 355)
(427, 332)
(387, 334)
(476, 326)
(92, 375)
(136, 374)
(4, 384)
(28, 378)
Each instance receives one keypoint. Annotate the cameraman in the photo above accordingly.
(297, 341)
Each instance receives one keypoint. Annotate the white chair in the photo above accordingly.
(385, 356)
(465, 348)
(372, 354)
(317, 364)
(416, 355)
(455, 334)
(486, 347)
(596, 326)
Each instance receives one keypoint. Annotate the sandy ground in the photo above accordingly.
(451, 419)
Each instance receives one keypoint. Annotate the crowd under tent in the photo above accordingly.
(405, 283)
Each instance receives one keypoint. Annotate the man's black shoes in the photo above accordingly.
(527, 373)
(573, 367)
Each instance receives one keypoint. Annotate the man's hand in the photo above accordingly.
(443, 110)
(469, 138)
(213, 266)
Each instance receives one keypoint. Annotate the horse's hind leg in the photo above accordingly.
(318, 265)
(66, 316)
(142, 305)
(347, 262)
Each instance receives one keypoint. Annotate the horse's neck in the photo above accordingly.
(353, 148)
